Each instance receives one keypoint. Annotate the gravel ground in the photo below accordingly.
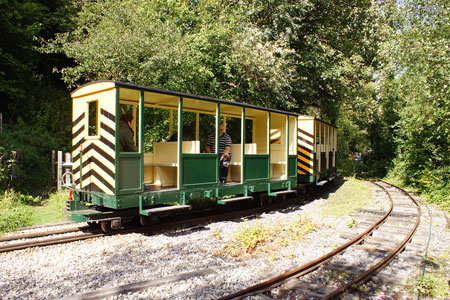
(85, 266)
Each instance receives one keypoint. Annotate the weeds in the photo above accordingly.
(352, 223)
(247, 239)
(427, 285)
(259, 238)
(14, 211)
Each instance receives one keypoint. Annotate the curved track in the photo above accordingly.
(331, 291)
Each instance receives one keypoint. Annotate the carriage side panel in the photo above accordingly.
(93, 141)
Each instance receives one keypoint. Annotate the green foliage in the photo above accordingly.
(248, 238)
(51, 209)
(34, 101)
(8, 168)
(14, 211)
(417, 77)
(427, 285)
(261, 237)
(32, 165)
(334, 45)
(201, 47)
(25, 77)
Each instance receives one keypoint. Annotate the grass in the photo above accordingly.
(18, 210)
(435, 283)
(353, 194)
(51, 210)
(265, 238)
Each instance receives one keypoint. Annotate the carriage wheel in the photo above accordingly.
(105, 226)
(144, 220)
(265, 200)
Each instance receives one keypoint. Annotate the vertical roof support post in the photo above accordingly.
(242, 154)
(287, 146)
(116, 147)
(141, 139)
(269, 125)
(180, 145)
(217, 140)
(170, 122)
(197, 126)
(133, 112)
(320, 148)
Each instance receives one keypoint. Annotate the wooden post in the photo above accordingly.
(53, 164)
(59, 171)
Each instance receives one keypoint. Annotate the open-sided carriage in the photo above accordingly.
(170, 168)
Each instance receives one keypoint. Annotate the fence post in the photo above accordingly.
(59, 171)
(54, 165)
(68, 167)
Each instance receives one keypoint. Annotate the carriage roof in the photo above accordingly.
(97, 86)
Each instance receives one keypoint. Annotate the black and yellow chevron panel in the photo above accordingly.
(305, 154)
(95, 154)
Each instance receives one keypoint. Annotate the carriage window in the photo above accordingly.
(131, 108)
(157, 124)
(93, 118)
(256, 131)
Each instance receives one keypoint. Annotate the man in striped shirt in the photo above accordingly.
(224, 150)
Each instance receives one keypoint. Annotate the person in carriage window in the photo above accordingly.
(224, 150)
(126, 134)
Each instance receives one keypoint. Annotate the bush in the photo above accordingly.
(14, 218)
(14, 211)
(26, 161)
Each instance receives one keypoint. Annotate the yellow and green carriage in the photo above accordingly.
(170, 168)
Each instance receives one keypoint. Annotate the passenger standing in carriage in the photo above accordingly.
(224, 150)
(126, 134)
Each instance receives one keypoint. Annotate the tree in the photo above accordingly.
(24, 71)
(334, 47)
(202, 47)
(418, 77)
(34, 102)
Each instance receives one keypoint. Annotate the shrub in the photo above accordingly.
(14, 211)
(26, 161)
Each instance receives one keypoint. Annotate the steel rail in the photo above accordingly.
(150, 229)
(41, 234)
(61, 223)
(272, 283)
(55, 241)
(384, 262)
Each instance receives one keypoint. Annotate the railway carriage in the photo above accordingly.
(317, 148)
(163, 175)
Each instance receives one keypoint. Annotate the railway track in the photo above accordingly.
(186, 221)
(329, 276)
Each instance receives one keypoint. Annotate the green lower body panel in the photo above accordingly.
(305, 178)
(89, 207)
(198, 169)
(256, 167)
